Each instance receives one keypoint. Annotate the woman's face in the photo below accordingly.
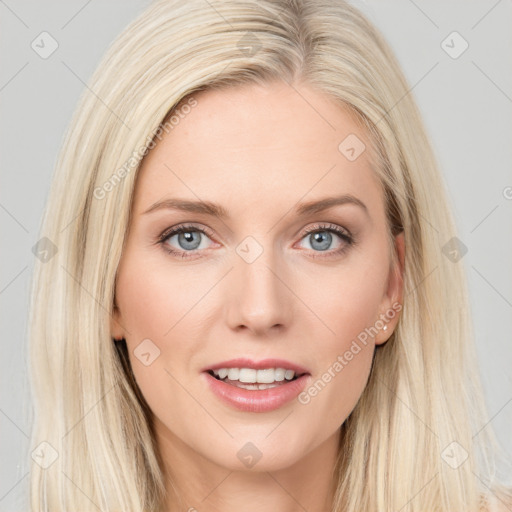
(259, 273)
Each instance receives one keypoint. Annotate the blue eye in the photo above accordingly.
(320, 237)
(188, 237)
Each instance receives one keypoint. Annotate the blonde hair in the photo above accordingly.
(423, 392)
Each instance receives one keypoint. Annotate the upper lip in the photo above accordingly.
(243, 362)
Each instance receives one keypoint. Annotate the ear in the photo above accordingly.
(392, 300)
(116, 329)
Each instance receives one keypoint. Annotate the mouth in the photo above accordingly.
(256, 386)
(252, 379)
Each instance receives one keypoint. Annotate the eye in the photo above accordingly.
(188, 239)
(320, 239)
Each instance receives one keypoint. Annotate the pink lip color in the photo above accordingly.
(254, 400)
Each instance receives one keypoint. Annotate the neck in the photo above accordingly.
(196, 484)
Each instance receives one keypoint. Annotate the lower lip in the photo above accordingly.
(254, 400)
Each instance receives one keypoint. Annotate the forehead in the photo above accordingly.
(245, 145)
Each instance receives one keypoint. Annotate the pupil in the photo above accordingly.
(187, 241)
(324, 237)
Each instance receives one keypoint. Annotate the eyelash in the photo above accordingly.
(319, 228)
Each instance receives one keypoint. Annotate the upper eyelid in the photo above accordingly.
(327, 226)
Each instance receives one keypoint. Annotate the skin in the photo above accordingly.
(258, 152)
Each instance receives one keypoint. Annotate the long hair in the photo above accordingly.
(423, 407)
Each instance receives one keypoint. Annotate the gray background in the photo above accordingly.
(466, 103)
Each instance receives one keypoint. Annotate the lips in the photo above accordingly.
(256, 386)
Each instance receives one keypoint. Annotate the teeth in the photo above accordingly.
(247, 375)
(250, 375)
(253, 386)
(233, 373)
(279, 374)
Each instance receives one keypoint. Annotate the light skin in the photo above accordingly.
(259, 152)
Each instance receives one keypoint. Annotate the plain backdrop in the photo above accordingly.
(465, 98)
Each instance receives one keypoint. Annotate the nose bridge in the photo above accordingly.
(260, 299)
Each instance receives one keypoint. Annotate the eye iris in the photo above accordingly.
(188, 238)
(324, 237)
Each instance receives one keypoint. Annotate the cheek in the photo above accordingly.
(348, 305)
(154, 298)
(154, 303)
(347, 299)
(343, 362)
(160, 303)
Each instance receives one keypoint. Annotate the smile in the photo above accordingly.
(249, 378)
(256, 387)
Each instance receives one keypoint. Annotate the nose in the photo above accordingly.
(259, 299)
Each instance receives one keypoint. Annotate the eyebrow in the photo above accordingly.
(215, 210)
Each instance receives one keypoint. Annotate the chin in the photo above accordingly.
(262, 451)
